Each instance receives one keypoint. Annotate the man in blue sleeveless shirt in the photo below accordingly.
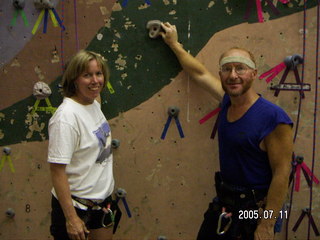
(255, 147)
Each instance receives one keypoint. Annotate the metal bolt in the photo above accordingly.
(10, 213)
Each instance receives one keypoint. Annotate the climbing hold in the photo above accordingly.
(19, 4)
(10, 213)
(173, 111)
(121, 193)
(293, 61)
(299, 159)
(162, 238)
(7, 150)
(41, 4)
(154, 27)
(41, 90)
(115, 143)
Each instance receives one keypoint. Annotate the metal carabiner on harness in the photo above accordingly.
(107, 211)
(225, 229)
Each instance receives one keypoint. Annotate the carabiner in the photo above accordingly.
(224, 215)
(107, 211)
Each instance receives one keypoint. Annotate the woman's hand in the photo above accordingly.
(76, 229)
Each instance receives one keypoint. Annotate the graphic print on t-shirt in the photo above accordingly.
(102, 133)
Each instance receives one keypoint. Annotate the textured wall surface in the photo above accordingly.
(169, 182)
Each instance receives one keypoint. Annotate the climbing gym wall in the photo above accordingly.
(163, 172)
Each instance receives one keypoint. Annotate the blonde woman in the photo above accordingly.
(79, 153)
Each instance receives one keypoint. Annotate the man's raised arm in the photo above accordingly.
(196, 70)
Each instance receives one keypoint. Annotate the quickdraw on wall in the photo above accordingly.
(47, 9)
(210, 115)
(19, 6)
(173, 112)
(250, 4)
(121, 194)
(6, 157)
(306, 212)
(298, 165)
(42, 91)
(289, 63)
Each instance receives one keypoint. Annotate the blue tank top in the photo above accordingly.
(242, 162)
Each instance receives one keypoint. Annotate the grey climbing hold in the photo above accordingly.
(10, 213)
(115, 143)
(173, 111)
(121, 193)
(41, 90)
(41, 4)
(293, 61)
(154, 27)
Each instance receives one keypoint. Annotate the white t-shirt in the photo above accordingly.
(80, 136)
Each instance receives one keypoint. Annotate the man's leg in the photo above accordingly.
(208, 229)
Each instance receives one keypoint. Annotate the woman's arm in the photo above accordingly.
(75, 226)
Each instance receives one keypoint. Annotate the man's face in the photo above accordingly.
(236, 77)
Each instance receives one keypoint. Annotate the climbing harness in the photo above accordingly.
(224, 215)
(236, 199)
(173, 112)
(108, 218)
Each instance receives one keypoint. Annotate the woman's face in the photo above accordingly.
(89, 84)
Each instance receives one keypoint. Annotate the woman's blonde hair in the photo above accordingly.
(77, 65)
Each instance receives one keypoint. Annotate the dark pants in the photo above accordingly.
(234, 199)
(92, 219)
(243, 229)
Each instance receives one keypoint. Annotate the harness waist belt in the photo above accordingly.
(237, 196)
(90, 203)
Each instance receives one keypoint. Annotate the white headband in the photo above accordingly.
(238, 59)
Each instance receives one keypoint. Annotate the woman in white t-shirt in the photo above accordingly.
(80, 154)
